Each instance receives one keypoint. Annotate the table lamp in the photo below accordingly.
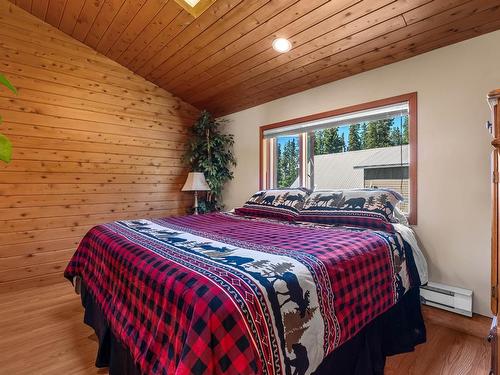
(195, 182)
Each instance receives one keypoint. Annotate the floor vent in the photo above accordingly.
(457, 300)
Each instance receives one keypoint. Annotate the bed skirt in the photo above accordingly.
(396, 331)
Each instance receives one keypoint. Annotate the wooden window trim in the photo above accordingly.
(411, 98)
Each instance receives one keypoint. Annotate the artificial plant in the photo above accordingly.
(211, 151)
(5, 145)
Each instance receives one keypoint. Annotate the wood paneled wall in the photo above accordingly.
(92, 143)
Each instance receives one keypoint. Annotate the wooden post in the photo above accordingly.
(494, 101)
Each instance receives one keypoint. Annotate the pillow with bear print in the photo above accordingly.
(370, 208)
(283, 204)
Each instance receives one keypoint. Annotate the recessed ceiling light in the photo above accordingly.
(282, 45)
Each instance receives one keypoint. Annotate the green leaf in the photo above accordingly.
(5, 82)
(5, 149)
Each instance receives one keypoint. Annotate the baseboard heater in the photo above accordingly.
(457, 300)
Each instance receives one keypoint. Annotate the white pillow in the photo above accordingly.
(400, 217)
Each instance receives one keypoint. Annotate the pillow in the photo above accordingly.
(283, 204)
(401, 217)
(371, 208)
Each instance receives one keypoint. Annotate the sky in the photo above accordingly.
(343, 131)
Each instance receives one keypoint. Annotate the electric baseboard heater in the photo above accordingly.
(457, 300)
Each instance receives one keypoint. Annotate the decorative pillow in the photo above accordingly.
(371, 208)
(277, 204)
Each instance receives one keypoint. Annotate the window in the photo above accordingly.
(368, 145)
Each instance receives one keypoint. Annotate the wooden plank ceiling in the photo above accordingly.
(223, 60)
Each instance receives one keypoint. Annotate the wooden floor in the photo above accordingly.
(41, 332)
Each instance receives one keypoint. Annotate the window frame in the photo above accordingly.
(411, 98)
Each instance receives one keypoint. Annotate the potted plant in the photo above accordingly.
(5, 145)
(211, 151)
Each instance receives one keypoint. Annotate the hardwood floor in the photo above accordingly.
(446, 352)
(41, 332)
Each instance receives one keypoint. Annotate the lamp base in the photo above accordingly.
(196, 203)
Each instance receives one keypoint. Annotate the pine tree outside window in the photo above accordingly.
(374, 145)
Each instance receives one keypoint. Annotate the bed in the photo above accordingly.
(230, 294)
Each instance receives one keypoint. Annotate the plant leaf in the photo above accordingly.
(5, 149)
(5, 82)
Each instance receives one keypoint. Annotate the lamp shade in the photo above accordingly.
(195, 182)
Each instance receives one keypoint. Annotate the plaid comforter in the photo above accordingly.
(223, 294)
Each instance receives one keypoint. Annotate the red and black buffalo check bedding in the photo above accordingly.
(223, 294)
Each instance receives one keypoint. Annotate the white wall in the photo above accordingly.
(453, 149)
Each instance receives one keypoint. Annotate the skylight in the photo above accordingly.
(195, 7)
(193, 3)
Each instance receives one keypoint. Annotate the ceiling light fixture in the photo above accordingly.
(282, 45)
